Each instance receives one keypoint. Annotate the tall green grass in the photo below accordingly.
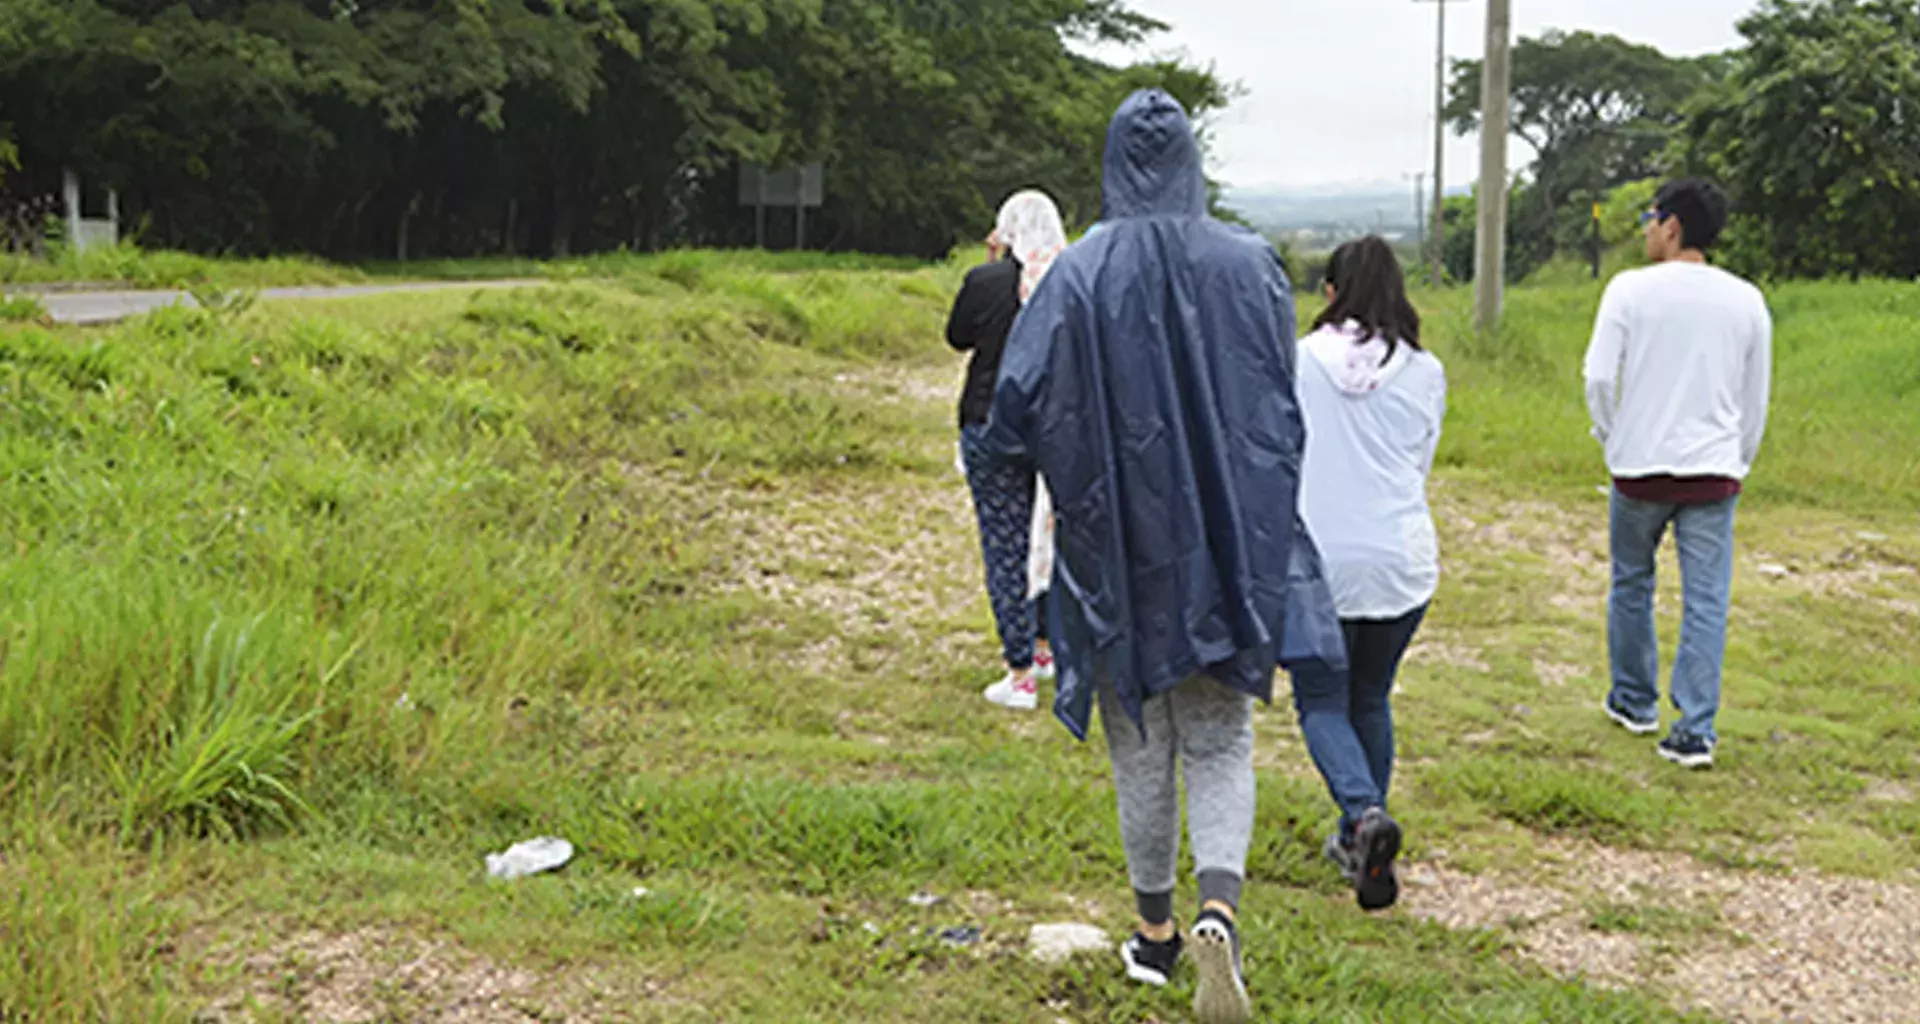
(686, 266)
(245, 549)
(128, 265)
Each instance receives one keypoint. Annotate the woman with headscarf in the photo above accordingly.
(1016, 531)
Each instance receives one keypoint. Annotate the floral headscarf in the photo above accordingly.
(1029, 226)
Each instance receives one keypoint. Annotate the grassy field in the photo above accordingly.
(129, 266)
(307, 607)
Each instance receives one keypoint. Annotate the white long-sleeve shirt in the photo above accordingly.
(1679, 371)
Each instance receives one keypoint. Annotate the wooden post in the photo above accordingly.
(70, 191)
(1598, 244)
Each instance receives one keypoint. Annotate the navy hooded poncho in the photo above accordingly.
(1151, 380)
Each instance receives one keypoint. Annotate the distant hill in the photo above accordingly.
(1331, 213)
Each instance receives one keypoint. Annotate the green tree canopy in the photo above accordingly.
(1597, 112)
(1816, 135)
(366, 128)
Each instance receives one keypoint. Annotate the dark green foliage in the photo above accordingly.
(359, 129)
(1817, 138)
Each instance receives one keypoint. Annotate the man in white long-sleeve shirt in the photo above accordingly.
(1677, 383)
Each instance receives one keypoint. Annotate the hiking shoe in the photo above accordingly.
(1221, 997)
(1020, 694)
(1636, 726)
(1376, 843)
(1043, 666)
(1150, 962)
(1340, 852)
(1687, 751)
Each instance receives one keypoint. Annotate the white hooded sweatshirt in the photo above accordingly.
(1373, 425)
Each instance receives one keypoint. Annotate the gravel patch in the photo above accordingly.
(881, 574)
(382, 975)
(1754, 947)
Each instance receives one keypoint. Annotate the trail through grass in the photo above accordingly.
(308, 607)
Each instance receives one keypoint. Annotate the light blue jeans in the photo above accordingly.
(1704, 534)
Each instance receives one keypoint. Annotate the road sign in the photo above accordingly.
(798, 187)
(787, 186)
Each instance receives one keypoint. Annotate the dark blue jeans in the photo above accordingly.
(1347, 716)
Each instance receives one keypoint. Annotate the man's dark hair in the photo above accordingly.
(1369, 289)
(1701, 207)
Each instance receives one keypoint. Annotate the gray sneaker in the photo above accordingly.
(1342, 857)
(1221, 996)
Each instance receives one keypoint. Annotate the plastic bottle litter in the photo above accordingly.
(529, 858)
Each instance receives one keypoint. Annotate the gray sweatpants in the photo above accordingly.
(1209, 729)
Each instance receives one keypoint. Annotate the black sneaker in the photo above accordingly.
(1338, 850)
(1687, 751)
(1636, 726)
(1376, 843)
(1150, 962)
(1221, 997)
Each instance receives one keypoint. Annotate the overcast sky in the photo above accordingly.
(1368, 67)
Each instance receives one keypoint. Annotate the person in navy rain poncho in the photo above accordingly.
(1150, 379)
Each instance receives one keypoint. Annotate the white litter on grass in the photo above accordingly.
(1058, 943)
(1775, 571)
(641, 892)
(529, 858)
(925, 899)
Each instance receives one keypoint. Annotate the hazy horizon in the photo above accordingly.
(1370, 65)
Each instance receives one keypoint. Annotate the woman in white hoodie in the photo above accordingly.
(1373, 401)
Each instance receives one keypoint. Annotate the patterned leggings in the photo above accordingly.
(1003, 500)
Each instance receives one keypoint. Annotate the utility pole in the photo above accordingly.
(1490, 245)
(1438, 236)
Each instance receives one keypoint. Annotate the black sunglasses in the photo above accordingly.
(1653, 215)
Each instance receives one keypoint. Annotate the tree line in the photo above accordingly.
(358, 129)
(1812, 126)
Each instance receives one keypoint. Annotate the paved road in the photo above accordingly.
(108, 306)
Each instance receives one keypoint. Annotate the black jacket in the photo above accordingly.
(982, 317)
